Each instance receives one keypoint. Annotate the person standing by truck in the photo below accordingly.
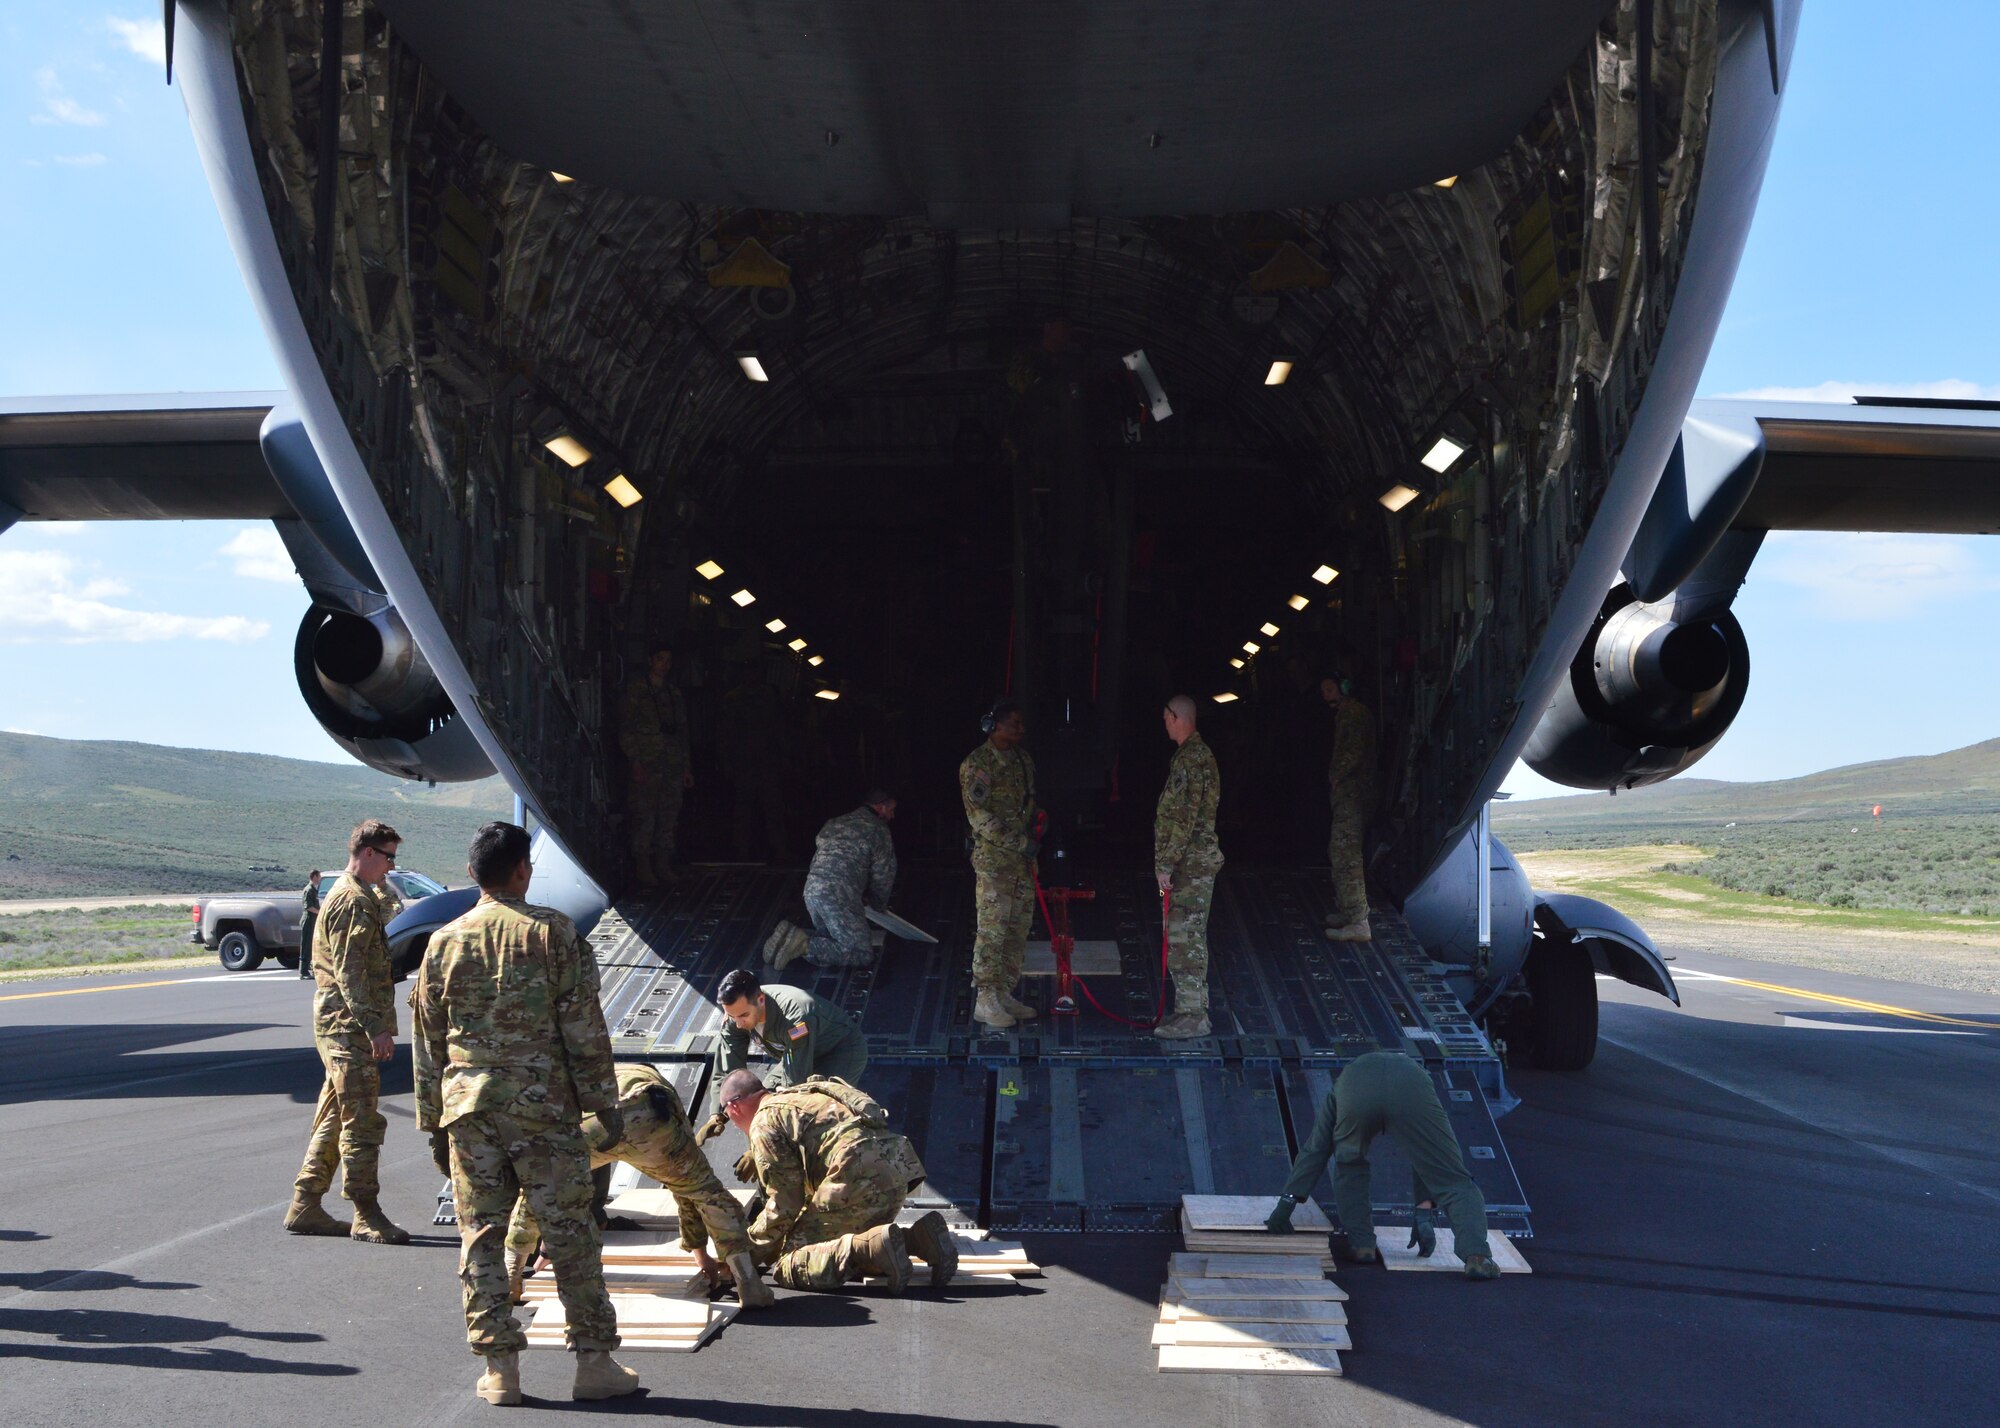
(308, 915)
(354, 1029)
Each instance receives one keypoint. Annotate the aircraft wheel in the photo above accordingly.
(1563, 985)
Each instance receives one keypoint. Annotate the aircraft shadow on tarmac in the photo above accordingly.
(120, 1061)
(649, 1404)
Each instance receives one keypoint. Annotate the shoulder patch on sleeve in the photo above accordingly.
(800, 1030)
(978, 785)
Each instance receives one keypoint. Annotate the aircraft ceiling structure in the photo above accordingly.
(501, 232)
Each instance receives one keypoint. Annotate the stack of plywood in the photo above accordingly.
(660, 1296)
(1241, 1300)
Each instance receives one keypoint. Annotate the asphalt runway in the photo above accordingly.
(1780, 1205)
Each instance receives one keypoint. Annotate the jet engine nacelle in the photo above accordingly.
(1443, 914)
(372, 690)
(1647, 695)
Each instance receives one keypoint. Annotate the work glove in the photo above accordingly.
(1423, 1233)
(1280, 1222)
(441, 1151)
(610, 1127)
(746, 1168)
(754, 1206)
(714, 1126)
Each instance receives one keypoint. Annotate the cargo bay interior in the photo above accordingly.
(1092, 444)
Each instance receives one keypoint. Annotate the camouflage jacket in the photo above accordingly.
(804, 1134)
(854, 858)
(652, 725)
(354, 991)
(506, 1019)
(1184, 825)
(999, 792)
(1350, 774)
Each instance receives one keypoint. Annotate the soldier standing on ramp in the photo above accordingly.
(1186, 859)
(658, 1141)
(833, 1176)
(511, 1049)
(1388, 1091)
(653, 736)
(853, 868)
(997, 783)
(354, 1028)
(1350, 780)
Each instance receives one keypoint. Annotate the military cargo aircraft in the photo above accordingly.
(1083, 351)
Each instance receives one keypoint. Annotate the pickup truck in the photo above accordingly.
(245, 928)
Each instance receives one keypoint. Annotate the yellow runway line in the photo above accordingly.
(79, 991)
(1882, 1008)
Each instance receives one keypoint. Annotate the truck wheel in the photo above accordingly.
(289, 960)
(1563, 985)
(239, 952)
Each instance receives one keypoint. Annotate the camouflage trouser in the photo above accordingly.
(306, 922)
(1343, 852)
(663, 1147)
(495, 1160)
(1187, 938)
(1395, 1093)
(841, 935)
(1004, 892)
(860, 1192)
(653, 811)
(348, 1126)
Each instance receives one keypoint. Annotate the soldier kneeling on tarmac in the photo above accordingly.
(659, 1141)
(1388, 1091)
(833, 1177)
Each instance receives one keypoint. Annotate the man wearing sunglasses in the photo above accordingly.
(354, 1029)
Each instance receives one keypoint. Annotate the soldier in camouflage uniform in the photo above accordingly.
(653, 736)
(833, 1175)
(354, 1028)
(1350, 778)
(1186, 859)
(511, 1049)
(805, 1034)
(659, 1142)
(853, 867)
(997, 783)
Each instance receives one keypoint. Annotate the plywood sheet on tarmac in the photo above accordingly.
(1257, 1288)
(1177, 1358)
(1393, 1242)
(1217, 1333)
(1247, 1213)
(1246, 1266)
(1259, 1311)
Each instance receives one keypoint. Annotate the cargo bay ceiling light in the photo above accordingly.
(1251, 647)
(566, 447)
(1225, 698)
(752, 368)
(1236, 663)
(826, 694)
(1398, 496)
(622, 491)
(1281, 368)
(560, 178)
(744, 597)
(708, 570)
(1268, 628)
(1446, 182)
(1325, 574)
(796, 646)
(1444, 451)
(815, 660)
(775, 626)
(1298, 602)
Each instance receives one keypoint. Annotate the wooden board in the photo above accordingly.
(1393, 1243)
(1218, 1333)
(1246, 1266)
(1179, 1358)
(1259, 1311)
(626, 1278)
(644, 1322)
(650, 1203)
(1245, 1213)
(1256, 1289)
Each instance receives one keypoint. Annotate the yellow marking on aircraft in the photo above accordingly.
(79, 991)
(1881, 1008)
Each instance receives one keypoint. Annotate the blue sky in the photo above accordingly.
(1870, 268)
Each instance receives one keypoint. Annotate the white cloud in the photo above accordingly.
(54, 528)
(43, 601)
(258, 554)
(81, 161)
(1950, 389)
(1861, 575)
(144, 38)
(59, 108)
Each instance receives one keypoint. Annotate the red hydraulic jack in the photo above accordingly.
(1055, 910)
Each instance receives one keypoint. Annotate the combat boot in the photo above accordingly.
(990, 1009)
(795, 944)
(1481, 1266)
(1353, 932)
(881, 1251)
(775, 943)
(1016, 1008)
(929, 1239)
(373, 1227)
(1182, 1026)
(751, 1292)
(598, 1375)
(307, 1217)
(517, 1271)
(501, 1383)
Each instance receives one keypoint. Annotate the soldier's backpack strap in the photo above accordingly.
(865, 1107)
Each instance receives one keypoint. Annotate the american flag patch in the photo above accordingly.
(800, 1030)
